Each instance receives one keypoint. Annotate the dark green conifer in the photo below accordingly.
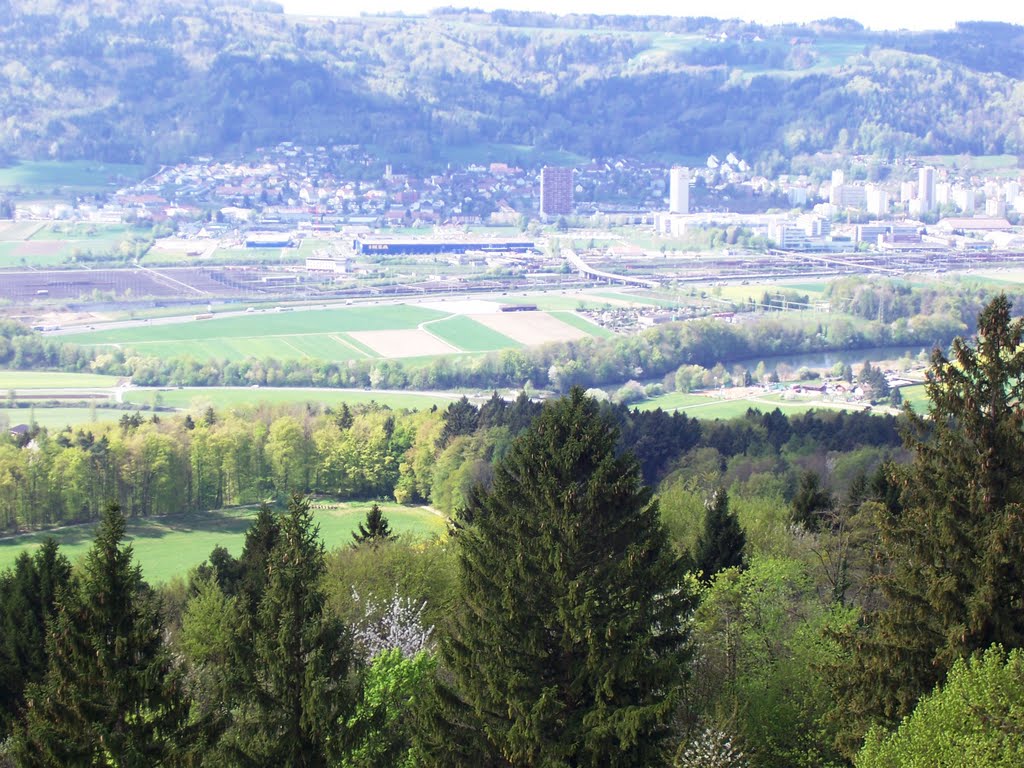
(375, 530)
(954, 577)
(344, 419)
(110, 696)
(720, 545)
(28, 595)
(298, 691)
(567, 645)
(461, 418)
(810, 500)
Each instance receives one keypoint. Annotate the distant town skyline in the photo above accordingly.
(875, 14)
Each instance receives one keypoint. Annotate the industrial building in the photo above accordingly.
(368, 244)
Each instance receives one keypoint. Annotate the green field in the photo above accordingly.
(18, 380)
(35, 244)
(228, 397)
(58, 418)
(318, 334)
(44, 176)
(916, 397)
(469, 335)
(577, 321)
(268, 324)
(170, 546)
(704, 407)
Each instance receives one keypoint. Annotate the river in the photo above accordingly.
(822, 360)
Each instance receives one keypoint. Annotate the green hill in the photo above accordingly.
(153, 81)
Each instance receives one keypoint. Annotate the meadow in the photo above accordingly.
(83, 175)
(171, 546)
(19, 380)
(58, 418)
(36, 244)
(345, 333)
(730, 407)
(199, 398)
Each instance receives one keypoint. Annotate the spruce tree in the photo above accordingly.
(298, 690)
(28, 596)
(109, 695)
(954, 578)
(809, 501)
(461, 418)
(720, 545)
(567, 643)
(375, 531)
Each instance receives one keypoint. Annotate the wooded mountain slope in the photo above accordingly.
(154, 81)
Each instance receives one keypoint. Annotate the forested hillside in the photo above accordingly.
(154, 81)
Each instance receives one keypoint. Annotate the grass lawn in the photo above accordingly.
(53, 380)
(228, 397)
(170, 546)
(21, 254)
(578, 321)
(673, 401)
(916, 397)
(705, 407)
(55, 419)
(265, 324)
(79, 174)
(467, 334)
(638, 298)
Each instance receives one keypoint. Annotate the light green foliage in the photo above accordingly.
(422, 572)
(209, 624)
(758, 635)
(392, 686)
(975, 719)
(464, 463)
(287, 450)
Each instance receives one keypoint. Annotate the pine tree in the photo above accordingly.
(298, 690)
(567, 645)
(109, 695)
(954, 583)
(375, 531)
(721, 543)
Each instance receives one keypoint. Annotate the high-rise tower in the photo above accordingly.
(679, 190)
(555, 191)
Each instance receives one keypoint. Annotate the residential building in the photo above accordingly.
(926, 188)
(679, 190)
(963, 198)
(555, 191)
(877, 200)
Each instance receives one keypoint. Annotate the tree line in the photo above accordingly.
(168, 464)
(572, 616)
